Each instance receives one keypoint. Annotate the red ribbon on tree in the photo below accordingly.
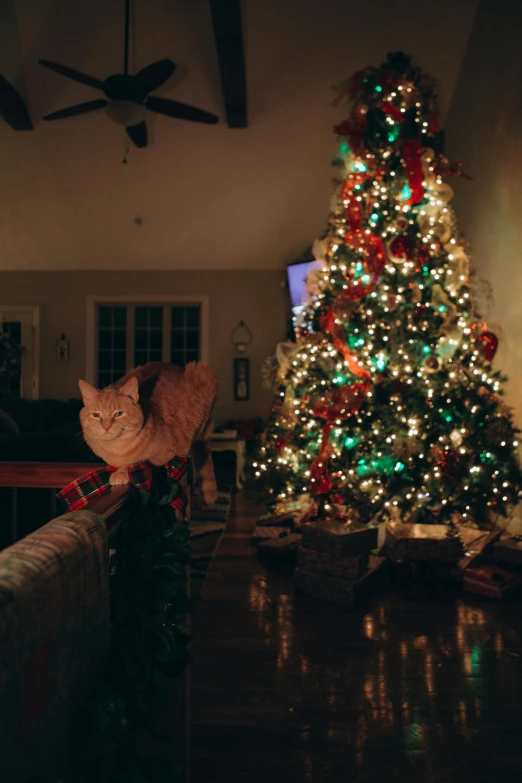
(373, 259)
(411, 153)
(331, 326)
(337, 404)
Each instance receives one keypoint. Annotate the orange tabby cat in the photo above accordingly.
(154, 413)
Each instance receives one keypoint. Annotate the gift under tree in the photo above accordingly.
(387, 402)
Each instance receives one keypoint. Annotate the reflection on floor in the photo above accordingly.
(416, 686)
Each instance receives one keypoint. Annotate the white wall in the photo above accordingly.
(484, 132)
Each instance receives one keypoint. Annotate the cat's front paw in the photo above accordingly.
(119, 477)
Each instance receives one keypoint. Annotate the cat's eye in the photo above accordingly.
(118, 413)
(96, 415)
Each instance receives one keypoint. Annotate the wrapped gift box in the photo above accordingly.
(406, 541)
(324, 563)
(262, 532)
(339, 539)
(281, 545)
(508, 550)
(339, 590)
(491, 580)
(279, 520)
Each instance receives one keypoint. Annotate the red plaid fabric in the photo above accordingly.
(77, 494)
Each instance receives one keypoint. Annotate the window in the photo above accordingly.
(22, 323)
(134, 333)
(10, 384)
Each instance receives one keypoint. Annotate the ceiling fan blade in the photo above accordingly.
(79, 108)
(138, 134)
(70, 73)
(182, 111)
(13, 108)
(153, 76)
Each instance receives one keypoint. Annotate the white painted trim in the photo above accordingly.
(35, 311)
(90, 336)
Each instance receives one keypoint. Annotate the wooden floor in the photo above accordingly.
(420, 685)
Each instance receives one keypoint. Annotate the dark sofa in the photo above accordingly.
(49, 431)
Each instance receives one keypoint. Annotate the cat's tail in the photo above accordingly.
(202, 379)
(204, 467)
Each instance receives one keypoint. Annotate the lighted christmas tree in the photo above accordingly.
(387, 401)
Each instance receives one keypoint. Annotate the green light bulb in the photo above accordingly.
(374, 216)
(350, 443)
(378, 88)
(399, 466)
(406, 192)
(427, 349)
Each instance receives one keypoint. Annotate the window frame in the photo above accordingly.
(140, 299)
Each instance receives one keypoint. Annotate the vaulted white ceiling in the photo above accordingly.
(199, 197)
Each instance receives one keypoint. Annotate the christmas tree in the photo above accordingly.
(387, 401)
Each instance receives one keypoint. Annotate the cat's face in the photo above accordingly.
(111, 414)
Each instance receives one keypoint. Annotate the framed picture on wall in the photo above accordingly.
(241, 379)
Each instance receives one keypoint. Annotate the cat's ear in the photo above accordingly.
(89, 393)
(130, 389)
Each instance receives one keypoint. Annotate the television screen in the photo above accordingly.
(297, 274)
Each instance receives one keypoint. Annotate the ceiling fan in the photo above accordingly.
(127, 96)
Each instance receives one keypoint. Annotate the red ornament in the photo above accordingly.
(337, 498)
(488, 344)
(401, 247)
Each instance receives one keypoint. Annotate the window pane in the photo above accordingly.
(119, 360)
(105, 361)
(119, 341)
(104, 340)
(178, 340)
(192, 318)
(141, 318)
(192, 340)
(192, 356)
(112, 343)
(156, 316)
(140, 340)
(104, 379)
(177, 317)
(156, 340)
(148, 337)
(11, 382)
(105, 317)
(120, 316)
(178, 357)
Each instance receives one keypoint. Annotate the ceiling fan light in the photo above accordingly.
(125, 112)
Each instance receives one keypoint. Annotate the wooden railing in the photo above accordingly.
(115, 508)
(53, 476)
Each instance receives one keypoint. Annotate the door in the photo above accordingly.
(21, 323)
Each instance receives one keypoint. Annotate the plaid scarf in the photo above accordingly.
(77, 495)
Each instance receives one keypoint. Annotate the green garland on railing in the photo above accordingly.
(148, 645)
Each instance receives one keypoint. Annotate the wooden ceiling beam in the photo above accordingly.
(228, 34)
